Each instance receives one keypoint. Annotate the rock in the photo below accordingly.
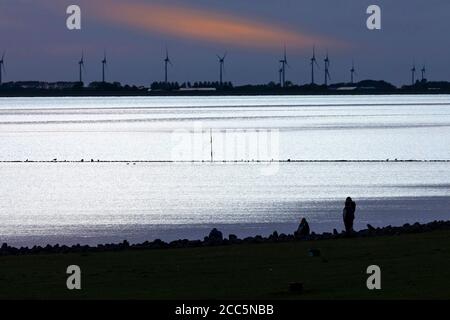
(195, 243)
(215, 236)
(282, 237)
(416, 227)
(158, 243)
(248, 240)
(274, 236)
(363, 233)
(314, 252)
(179, 243)
(258, 239)
(290, 237)
(326, 235)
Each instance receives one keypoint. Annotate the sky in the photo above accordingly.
(253, 33)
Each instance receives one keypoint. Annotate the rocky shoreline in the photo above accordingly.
(215, 238)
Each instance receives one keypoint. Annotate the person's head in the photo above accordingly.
(303, 221)
(348, 200)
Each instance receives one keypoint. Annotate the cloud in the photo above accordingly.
(208, 26)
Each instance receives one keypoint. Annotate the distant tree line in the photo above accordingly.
(188, 85)
(362, 87)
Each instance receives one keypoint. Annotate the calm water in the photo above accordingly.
(102, 202)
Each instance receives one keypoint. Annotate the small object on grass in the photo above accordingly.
(296, 287)
(314, 252)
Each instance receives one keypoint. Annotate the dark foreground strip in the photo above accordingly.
(253, 309)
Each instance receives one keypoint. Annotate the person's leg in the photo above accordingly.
(347, 225)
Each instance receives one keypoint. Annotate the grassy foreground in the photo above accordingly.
(412, 266)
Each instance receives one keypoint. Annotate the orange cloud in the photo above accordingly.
(208, 26)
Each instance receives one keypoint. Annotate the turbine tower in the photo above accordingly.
(413, 74)
(81, 67)
(313, 62)
(221, 67)
(284, 63)
(352, 72)
(2, 67)
(423, 73)
(280, 76)
(327, 69)
(166, 63)
(104, 64)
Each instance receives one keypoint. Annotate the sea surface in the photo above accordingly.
(105, 169)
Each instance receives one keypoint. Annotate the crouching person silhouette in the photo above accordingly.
(349, 215)
(303, 229)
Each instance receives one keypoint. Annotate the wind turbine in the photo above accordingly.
(423, 73)
(352, 72)
(81, 66)
(166, 63)
(284, 63)
(2, 67)
(313, 62)
(327, 69)
(221, 67)
(413, 73)
(104, 64)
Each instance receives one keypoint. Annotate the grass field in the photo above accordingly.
(413, 267)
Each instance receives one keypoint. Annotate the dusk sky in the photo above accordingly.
(135, 34)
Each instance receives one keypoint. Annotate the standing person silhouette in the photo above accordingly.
(349, 215)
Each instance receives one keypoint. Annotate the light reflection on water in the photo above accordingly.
(98, 202)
